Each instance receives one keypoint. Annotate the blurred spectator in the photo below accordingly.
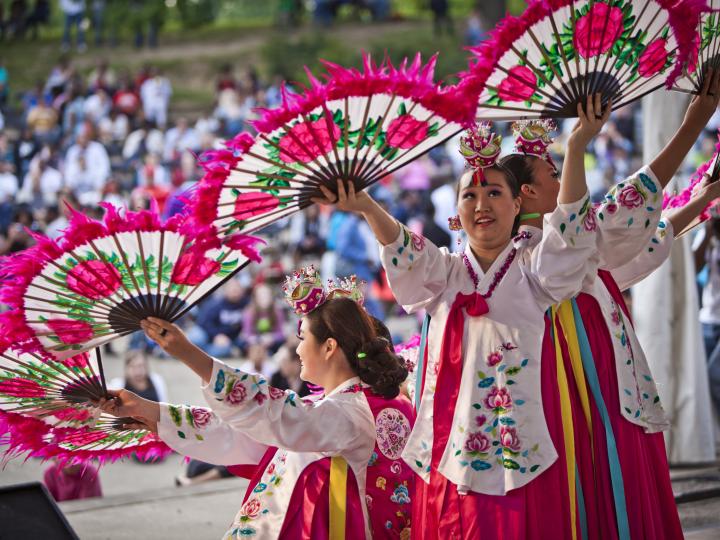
(25, 149)
(153, 181)
(155, 94)
(308, 230)
(17, 20)
(59, 76)
(259, 361)
(97, 106)
(263, 319)
(74, 110)
(219, 322)
(138, 378)
(9, 184)
(287, 376)
(441, 17)
(198, 472)
(87, 168)
(57, 218)
(431, 230)
(225, 79)
(17, 237)
(102, 76)
(43, 121)
(475, 29)
(180, 138)
(4, 84)
(40, 15)
(42, 182)
(126, 99)
(97, 10)
(71, 482)
(73, 10)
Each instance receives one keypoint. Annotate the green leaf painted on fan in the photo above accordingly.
(433, 129)
(402, 110)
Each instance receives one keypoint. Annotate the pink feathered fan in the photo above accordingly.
(546, 61)
(100, 279)
(45, 411)
(706, 50)
(358, 126)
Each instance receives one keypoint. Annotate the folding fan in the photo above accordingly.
(358, 126)
(546, 61)
(711, 167)
(706, 51)
(101, 279)
(45, 411)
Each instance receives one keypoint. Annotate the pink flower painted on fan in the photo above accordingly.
(201, 417)
(94, 279)
(498, 398)
(509, 438)
(248, 205)
(406, 132)
(251, 509)
(597, 31)
(307, 140)
(193, 269)
(237, 394)
(79, 360)
(630, 197)
(519, 85)
(653, 59)
(83, 438)
(72, 414)
(22, 388)
(71, 332)
(477, 442)
(494, 358)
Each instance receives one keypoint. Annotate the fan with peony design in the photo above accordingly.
(710, 167)
(546, 61)
(359, 126)
(100, 279)
(46, 411)
(706, 50)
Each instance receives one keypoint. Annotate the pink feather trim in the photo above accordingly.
(246, 245)
(411, 79)
(34, 438)
(681, 199)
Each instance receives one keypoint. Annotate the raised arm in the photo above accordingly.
(573, 185)
(416, 269)
(701, 109)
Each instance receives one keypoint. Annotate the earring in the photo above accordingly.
(454, 223)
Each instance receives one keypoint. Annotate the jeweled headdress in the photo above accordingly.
(304, 290)
(481, 148)
(532, 138)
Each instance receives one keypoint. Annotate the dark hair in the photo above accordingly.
(521, 167)
(366, 345)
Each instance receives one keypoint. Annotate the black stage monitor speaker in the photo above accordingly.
(28, 512)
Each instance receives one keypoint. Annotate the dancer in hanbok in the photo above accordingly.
(326, 467)
(612, 467)
(481, 442)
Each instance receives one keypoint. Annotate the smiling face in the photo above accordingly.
(314, 356)
(487, 212)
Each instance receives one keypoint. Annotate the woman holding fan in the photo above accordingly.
(616, 481)
(481, 444)
(327, 467)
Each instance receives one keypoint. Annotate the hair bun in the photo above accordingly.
(381, 368)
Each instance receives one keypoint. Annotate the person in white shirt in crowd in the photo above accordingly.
(180, 138)
(87, 168)
(147, 138)
(73, 11)
(97, 106)
(8, 181)
(42, 182)
(155, 94)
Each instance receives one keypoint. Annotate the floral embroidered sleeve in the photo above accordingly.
(565, 255)
(626, 219)
(417, 270)
(198, 433)
(649, 259)
(281, 418)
